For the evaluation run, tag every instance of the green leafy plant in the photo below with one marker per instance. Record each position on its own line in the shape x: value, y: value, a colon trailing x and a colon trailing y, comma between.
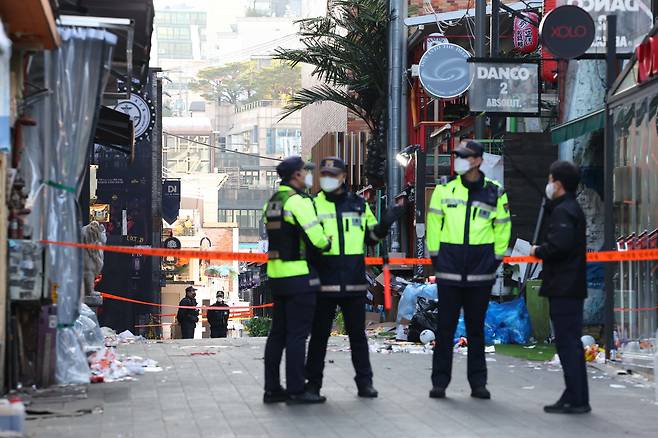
x: 340, y: 323
x: 348, y: 51
x: 258, y: 327
x: 243, y: 82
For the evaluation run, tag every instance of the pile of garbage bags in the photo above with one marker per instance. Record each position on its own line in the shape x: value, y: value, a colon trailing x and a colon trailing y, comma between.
x: 75, y: 345
x: 425, y: 318
x: 408, y: 301
x: 87, y: 353
x: 505, y: 323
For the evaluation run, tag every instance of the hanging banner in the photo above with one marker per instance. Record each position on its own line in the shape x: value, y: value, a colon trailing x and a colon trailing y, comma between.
x: 170, y: 200
x: 504, y: 86
x: 634, y: 21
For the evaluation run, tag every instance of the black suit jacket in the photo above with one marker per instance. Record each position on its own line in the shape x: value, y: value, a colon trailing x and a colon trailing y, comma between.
x: 563, y: 251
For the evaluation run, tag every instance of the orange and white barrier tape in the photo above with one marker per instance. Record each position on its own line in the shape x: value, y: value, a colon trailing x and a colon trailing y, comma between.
x: 175, y: 306
x: 602, y: 256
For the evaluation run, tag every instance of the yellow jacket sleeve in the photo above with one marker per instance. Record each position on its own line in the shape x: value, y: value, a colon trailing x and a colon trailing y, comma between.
x: 371, y: 223
x: 303, y: 210
x: 502, y: 226
x: 434, y: 221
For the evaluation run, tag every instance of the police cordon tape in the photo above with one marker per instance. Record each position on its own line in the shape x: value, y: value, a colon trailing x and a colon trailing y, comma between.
x: 236, y: 312
x: 175, y: 306
x: 602, y: 256
x: 591, y: 257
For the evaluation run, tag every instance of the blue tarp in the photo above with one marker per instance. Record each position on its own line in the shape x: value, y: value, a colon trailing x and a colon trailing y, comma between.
x: 505, y: 323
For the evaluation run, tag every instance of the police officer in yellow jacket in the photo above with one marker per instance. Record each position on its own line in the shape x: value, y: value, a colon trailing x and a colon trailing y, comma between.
x: 468, y: 233
x: 292, y: 229
x: 350, y: 223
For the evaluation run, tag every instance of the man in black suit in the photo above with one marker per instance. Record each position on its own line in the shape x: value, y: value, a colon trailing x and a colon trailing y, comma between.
x: 564, y: 283
x: 186, y: 316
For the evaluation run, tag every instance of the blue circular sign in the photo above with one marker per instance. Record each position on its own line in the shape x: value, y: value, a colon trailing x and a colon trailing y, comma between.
x: 444, y: 71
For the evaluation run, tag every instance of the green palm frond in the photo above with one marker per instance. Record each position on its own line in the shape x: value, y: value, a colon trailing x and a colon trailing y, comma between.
x: 348, y: 51
x: 324, y: 93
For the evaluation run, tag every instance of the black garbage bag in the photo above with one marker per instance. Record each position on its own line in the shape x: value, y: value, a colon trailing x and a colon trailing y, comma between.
x: 425, y: 318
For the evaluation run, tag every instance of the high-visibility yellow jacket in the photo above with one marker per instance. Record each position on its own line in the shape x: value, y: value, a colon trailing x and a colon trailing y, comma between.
x: 292, y: 226
x: 468, y: 231
x: 347, y: 218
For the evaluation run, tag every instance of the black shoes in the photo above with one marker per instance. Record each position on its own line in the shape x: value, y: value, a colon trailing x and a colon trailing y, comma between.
x: 275, y: 396
x: 481, y: 392
x: 313, y: 389
x: 567, y: 408
x: 368, y: 392
x: 438, y: 392
x: 305, y: 398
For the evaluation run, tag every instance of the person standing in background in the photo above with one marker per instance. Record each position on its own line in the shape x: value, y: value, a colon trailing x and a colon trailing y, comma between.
x: 218, y: 318
x: 187, y: 317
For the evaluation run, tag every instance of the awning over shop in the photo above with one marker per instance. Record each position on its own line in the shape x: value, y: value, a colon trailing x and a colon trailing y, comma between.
x: 578, y: 126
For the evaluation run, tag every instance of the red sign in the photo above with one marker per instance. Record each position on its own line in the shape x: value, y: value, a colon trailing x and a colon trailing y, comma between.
x: 526, y: 36
x: 647, y: 59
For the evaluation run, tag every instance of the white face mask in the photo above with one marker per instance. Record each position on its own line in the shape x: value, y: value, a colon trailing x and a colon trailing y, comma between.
x: 550, y: 190
x: 329, y: 183
x: 462, y: 165
x: 308, y: 180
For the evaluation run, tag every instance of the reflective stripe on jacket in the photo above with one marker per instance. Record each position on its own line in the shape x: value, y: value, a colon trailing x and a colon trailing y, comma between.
x: 468, y: 231
x: 297, y: 211
x: 350, y: 223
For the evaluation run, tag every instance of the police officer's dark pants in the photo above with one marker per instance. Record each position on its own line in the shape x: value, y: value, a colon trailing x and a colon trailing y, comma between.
x: 218, y: 332
x: 567, y: 317
x: 292, y: 318
x: 353, y: 309
x: 187, y: 331
x: 475, y: 301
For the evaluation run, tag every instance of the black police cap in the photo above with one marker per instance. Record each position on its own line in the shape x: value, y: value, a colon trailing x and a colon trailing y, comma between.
x: 469, y: 149
x: 289, y: 166
x: 333, y: 165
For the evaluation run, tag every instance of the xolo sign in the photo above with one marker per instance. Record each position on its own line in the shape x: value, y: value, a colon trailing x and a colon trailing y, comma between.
x: 634, y: 20
x: 567, y: 31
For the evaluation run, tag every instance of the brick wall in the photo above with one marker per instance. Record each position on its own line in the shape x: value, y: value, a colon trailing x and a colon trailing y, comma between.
x: 320, y: 118
x: 441, y: 5
x: 444, y: 5
x: 221, y: 238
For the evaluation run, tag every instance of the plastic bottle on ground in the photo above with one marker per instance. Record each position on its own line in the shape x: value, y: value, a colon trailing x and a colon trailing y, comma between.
x: 18, y: 415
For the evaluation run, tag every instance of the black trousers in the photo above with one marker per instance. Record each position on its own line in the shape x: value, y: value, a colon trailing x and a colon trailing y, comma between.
x: 567, y: 317
x: 218, y: 332
x: 475, y: 301
x: 187, y: 330
x: 354, y: 314
x: 292, y: 318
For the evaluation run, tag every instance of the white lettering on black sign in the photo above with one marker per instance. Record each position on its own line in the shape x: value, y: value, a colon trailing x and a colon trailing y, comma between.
x: 607, y: 5
x: 504, y: 87
x: 508, y: 73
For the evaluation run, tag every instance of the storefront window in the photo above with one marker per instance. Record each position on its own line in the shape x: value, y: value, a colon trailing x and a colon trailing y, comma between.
x: 636, y: 208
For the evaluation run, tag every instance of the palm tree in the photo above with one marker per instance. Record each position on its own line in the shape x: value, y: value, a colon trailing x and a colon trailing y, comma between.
x: 348, y: 49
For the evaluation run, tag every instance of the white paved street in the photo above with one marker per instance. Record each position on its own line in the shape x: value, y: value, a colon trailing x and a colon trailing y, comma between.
x: 218, y: 394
